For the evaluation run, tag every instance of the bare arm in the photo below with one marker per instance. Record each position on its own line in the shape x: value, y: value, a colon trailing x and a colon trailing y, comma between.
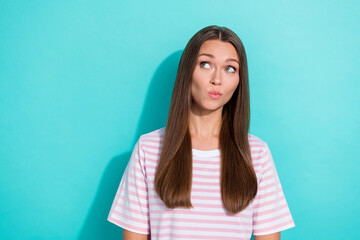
x: 273, y: 236
x: 128, y: 235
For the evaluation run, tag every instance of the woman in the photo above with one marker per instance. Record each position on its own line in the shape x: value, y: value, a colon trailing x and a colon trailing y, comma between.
x: 203, y: 176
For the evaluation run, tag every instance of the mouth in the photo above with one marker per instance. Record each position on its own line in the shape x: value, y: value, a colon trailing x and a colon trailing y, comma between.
x: 215, y: 94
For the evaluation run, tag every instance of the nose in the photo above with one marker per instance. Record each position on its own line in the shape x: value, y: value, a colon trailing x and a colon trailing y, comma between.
x: 216, y: 78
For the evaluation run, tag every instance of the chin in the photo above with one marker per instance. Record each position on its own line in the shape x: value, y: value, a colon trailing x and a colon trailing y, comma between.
x: 209, y: 106
x: 213, y: 108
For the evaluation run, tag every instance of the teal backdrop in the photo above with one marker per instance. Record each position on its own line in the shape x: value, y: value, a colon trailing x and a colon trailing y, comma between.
x: 80, y: 81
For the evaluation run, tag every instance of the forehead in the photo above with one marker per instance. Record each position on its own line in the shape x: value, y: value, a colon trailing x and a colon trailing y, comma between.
x: 219, y: 49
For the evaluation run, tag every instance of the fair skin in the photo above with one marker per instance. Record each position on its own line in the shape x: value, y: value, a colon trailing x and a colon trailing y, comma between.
x: 128, y: 235
x: 217, y: 69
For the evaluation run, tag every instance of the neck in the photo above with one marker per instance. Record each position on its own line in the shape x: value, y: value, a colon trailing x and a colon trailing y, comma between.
x: 205, y: 124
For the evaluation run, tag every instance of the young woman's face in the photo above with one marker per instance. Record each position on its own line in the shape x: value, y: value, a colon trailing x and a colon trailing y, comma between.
x: 215, y: 77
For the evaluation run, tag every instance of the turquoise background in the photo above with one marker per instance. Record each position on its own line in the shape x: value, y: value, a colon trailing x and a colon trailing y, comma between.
x: 80, y: 81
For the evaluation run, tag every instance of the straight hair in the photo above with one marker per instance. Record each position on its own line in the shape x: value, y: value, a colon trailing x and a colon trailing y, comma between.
x: 173, y: 176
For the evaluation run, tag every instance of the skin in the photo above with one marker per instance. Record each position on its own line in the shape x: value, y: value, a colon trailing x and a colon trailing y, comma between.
x: 273, y: 236
x: 128, y: 235
x: 217, y: 69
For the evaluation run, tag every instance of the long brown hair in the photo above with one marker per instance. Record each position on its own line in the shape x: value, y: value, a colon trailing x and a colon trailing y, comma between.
x: 173, y: 177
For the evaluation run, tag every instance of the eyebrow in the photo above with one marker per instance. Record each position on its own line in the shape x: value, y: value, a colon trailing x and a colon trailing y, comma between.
x: 212, y: 56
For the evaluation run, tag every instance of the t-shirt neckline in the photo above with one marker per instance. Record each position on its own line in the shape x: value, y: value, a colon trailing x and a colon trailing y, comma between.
x: 206, y: 153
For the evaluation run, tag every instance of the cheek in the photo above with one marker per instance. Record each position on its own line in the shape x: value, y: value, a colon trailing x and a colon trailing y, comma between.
x: 195, y: 90
x: 231, y: 89
x: 235, y: 86
x: 196, y: 84
x: 197, y: 76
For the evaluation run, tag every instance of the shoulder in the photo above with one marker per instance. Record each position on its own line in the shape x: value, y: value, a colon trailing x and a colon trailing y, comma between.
x: 153, y: 135
x: 259, y: 151
x: 256, y: 143
x: 152, y: 141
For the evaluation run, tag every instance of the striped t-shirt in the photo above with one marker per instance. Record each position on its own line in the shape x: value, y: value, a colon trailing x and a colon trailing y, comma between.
x: 138, y: 208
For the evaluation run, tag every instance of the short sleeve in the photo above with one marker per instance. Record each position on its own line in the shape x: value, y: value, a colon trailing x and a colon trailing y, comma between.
x: 130, y: 209
x: 270, y: 210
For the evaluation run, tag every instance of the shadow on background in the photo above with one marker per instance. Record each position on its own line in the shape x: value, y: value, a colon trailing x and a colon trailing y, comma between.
x: 153, y: 116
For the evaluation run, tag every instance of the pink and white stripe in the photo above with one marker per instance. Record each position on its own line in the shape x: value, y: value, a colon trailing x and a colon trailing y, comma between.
x: 137, y: 207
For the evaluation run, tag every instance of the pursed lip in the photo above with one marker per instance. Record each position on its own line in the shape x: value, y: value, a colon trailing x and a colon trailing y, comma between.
x: 215, y: 93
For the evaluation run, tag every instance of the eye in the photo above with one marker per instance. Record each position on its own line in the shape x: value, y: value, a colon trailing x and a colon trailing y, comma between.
x: 230, y: 69
x: 205, y: 65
